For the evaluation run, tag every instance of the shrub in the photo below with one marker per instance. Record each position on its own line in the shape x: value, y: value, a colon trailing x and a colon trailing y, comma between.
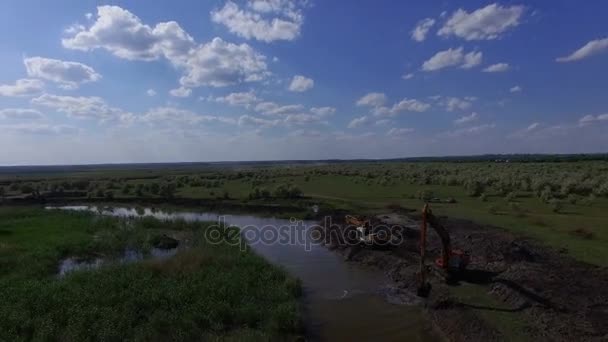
x: 556, y: 205
x: 483, y: 198
x: 425, y: 195
x: 511, y: 196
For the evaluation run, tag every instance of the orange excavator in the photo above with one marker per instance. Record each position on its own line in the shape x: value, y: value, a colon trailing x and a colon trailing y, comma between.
x: 366, y: 233
x: 452, y: 261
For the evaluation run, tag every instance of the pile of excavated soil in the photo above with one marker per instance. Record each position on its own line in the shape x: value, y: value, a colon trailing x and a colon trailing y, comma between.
x: 559, y: 298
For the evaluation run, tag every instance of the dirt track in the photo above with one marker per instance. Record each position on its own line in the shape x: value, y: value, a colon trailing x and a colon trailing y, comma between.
x: 558, y: 298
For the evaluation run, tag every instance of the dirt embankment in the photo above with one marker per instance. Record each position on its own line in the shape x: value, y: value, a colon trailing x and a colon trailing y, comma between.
x: 558, y: 298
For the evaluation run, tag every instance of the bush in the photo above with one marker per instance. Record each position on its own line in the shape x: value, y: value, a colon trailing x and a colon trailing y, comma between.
x: 493, y: 209
x: 425, y: 195
x: 483, y: 198
x: 556, y: 205
x: 511, y: 196
x: 287, y: 191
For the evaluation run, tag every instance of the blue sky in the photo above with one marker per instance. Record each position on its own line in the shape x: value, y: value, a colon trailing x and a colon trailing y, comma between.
x: 133, y: 81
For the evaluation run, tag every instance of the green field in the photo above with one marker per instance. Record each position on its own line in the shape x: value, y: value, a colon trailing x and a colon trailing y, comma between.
x: 563, y: 204
x: 208, y: 291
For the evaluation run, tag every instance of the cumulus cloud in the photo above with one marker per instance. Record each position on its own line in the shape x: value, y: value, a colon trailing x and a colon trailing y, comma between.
x: 39, y: 129
x: 408, y: 76
x: 451, y: 58
x: 68, y: 74
x: 516, y: 89
x: 486, y: 23
x: 498, y: 67
x: 265, y: 21
x: 271, y: 108
x: 248, y: 120
x: 124, y: 35
x: 82, y: 107
x: 422, y: 29
x: 587, y: 119
x: 323, y: 111
x: 151, y: 92
x: 593, y: 47
x: 216, y: 63
x: 22, y: 87
x: 358, y: 122
x: 470, y: 130
x: 454, y: 103
x: 467, y: 119
x: 399, y: 132
x: 180, y: 92
x: 301, y: 83
x: 410, y: 105
x: 172, y: 115
x: 372, y: 100
x: 20, y: 114
x: 219, y: 64
x: 243, y: 99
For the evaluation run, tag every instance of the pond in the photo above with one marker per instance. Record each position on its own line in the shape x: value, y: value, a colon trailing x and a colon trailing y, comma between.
x: 343, y: 301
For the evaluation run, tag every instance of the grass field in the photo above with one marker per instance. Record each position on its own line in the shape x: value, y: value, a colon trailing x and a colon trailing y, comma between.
x: 562, y: 204
x: 209, y: 291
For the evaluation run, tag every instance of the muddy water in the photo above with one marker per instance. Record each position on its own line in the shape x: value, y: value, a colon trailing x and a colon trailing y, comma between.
x: 343, y: 302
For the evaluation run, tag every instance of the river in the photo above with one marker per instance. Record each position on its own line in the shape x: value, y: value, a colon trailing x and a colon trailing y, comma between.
x: 342, y: 301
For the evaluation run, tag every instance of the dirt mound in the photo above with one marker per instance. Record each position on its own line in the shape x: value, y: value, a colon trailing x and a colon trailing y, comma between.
x: 559, y: 298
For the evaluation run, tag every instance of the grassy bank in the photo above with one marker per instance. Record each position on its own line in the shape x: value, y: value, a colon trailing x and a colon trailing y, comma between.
x: 207, y: 291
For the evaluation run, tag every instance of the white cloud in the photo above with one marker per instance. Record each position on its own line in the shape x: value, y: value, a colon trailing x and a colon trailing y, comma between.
x: 399, y: 132
x: 180, y: 92
x: 358, y: 122
x: 82, y: 107
x: 22, y: 87
x: 533, y: 126
x: 216, y: 63
x: 383, y: 122
x: 40, y: 128
x: 271, y: 108
x: 20, y: 114
x: 124, y: 35
x: 408, y: 76
x: 593, y: 118
x: 300, y: 83
x: 68, y: 74
x: 482, y: 24
x: 422, y: 28
x: 323, y: 111
x: 304, y: 119
x: 248, y: 120
x: 467, y: 119
x: 498, y: 67
x: 243, y: 99
x: 372, y: 100
x: 151, y: 92
x: 171, y: 115
x: 451, y: 58
x: 255, y: 23
x: 470, y: 130
x: 593, y: 47
x: 516, y: 89
x: 219, y: 63
x: 410, y: 105
x: 454, y: 103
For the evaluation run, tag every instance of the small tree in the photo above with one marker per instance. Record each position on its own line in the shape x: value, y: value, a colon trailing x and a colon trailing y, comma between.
x: 167, y: 190
x: 511, y: 196
x: 109, y: 195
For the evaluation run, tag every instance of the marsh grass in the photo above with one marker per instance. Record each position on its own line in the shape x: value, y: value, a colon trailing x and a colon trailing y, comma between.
x: 209, y: 291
